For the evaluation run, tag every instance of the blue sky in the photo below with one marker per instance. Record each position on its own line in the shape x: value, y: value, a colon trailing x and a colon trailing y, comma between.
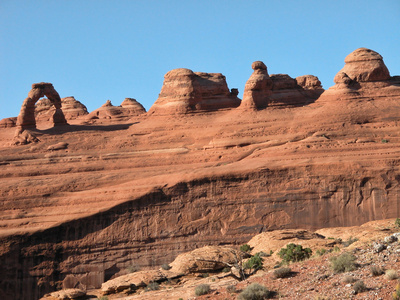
x: 97, y: 50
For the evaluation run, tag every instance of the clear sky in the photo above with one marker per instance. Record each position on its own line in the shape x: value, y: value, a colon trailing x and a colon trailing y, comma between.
x: 97, y: 50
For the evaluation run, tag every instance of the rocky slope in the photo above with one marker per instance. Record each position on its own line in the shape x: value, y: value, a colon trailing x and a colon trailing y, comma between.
x: 93, y: 197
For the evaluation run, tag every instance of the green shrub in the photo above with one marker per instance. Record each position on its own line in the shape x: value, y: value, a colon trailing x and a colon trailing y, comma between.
x: 226, y: 270
x: 321, y: 252
x: 202, y: 289
x: 359, y: 287
x: 377, y: 271
x: 205, y: 275
x: 343, y: 263
x: 253, y: 263
x: 391, y: 275
x: 166, y: 267
x: 397, y: 223
x: 349, y: 241
x: 282, y: 272
x: 254, y: 291
x: 336, y: 249
x: 245, y: 248
x: 294, y: 253
x: 152, y: 286
x: 103, y: 298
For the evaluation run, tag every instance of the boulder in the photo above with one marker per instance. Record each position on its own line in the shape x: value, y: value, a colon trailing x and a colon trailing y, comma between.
x: 205, y: 259
x: 132, y: 281
x: 186, y: 91
x: 129, y: 108
x: 68, y: 294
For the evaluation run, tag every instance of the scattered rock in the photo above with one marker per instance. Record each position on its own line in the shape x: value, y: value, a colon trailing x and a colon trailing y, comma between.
x: 390, y: 239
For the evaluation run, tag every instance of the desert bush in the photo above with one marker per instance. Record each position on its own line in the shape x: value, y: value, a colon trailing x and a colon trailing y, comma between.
x: 349, y: 241
x: 336, y: 249
x: 396, y: 293
x: 343, y: 263
x: 359, y: 287
x: 377, y: 271
x: 205, y: 275
x: 226, y: 270
x: 132, y: 269
x: 166, y: 267
x: 254, y: 291
x: 245, y: 248
x: 103, y: 298
x: 397, y: 223
x: 202, y: 289
x: 294, y: 253
x: 282, y: 272
x: 152, y: 286
x: 253, y: 263
x: 320, y: 252
x: 231, y: 289
x: 391, y: 275
x: 348, y: 279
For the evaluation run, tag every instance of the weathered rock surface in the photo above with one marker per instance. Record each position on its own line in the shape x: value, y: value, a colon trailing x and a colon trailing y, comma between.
x: 262, y: 90
x: 186, y: 91
x: 26, y: 118
x: 8, y: 122
x: 258, y: 88
x: 129, y: 108
x: 71, y: 108
x: 205, y: 259
x: 68, y: 294
x: 133, y: 107
x: 143, y: 193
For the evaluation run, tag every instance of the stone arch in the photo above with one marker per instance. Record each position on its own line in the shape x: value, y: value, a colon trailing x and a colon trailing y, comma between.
x: 26, y: 117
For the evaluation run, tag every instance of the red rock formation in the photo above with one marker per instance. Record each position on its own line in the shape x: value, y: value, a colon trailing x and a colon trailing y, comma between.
x: 185, y: 91
x: 133, y: 107
x: 129, y: 108
x: 262, y: 90
x: 258, y: 88
x: 143, y: 193
x: 26, y: 118
x: 8, y: 122
x: 71, y: 108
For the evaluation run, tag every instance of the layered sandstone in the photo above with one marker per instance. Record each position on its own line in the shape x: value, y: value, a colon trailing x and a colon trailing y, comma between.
x: 186, y: 91
x: 140, y: 194
x: 71, y: 108
x: 26, y: 117
x: 128, y: 108
x: 262, y: 90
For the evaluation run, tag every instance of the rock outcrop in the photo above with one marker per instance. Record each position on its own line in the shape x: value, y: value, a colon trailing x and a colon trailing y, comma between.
x: 133, y: 107
x: 26, y: 117
x: 8, y: 122
x: 262, y: 90
x: 258, y: 88
x: 71, y: 108
x: 129, y: 108
x: 364, y: 65
x: 186, y: 91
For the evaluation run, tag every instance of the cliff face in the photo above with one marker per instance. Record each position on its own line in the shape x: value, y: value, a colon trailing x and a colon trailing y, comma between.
x: 119, y: 194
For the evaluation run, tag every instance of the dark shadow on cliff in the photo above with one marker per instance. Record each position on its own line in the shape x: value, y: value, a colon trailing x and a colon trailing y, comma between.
x: 76, y: 128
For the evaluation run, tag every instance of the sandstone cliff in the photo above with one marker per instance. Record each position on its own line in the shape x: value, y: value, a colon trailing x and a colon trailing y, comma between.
x: 121, y: 194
